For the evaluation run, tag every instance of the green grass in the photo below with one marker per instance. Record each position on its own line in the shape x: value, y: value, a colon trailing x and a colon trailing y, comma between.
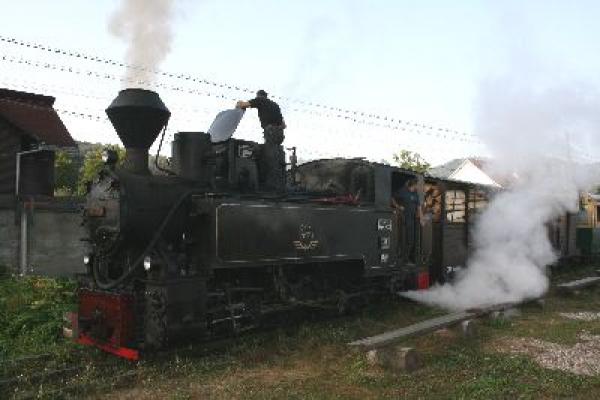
x: 31, y: 314
x: 309, y: 360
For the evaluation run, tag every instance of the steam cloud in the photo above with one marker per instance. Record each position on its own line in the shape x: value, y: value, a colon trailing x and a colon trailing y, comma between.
x: 146, y: 27
x: 530, y: 131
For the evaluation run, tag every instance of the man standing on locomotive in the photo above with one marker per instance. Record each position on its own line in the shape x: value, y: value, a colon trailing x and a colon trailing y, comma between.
x: 271, y: 156
x: 406, y: 200
x: 269, y: 115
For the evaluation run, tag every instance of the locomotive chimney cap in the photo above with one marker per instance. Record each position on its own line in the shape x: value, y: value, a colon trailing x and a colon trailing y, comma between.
x: 138, y: 116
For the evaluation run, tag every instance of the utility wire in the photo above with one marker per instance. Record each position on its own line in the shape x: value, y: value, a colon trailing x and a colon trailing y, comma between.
x: 354, y: 114
x: 103, y: 119
x: 311, y: 153
x: 420, y: 128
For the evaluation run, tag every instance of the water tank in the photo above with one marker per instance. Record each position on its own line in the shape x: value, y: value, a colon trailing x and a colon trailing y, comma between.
x: 36, y: 176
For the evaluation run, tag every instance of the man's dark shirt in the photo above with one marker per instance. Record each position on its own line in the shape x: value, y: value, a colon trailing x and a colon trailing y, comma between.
x: 268, y: 111
x: 409, y: 200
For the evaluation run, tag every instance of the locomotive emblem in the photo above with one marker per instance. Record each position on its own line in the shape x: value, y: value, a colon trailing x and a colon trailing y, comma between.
x: 307, y: 239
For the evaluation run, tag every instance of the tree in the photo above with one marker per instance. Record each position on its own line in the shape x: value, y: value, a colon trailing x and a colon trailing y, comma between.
x: 66, y: 174
x: 411, y: 160
x: 163, y: 164
x: 92, y: 164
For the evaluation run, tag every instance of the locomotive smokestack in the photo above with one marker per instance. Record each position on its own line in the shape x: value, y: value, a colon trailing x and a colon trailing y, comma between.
x: 138, y: 116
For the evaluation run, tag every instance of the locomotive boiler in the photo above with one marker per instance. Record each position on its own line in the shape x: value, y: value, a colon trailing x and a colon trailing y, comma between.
x: 207, y: 249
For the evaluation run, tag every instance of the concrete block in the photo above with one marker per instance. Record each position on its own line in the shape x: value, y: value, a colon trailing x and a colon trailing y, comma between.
x: 535, y: 303
x: 68, y: 333
x: 395, y: 358
x: 505, y: 315
x: 539, y: 303
x: 511, y: 313
x: 444, y: 333
x: 468, y: 328
x: 71, y: 325
x: 495, y: 315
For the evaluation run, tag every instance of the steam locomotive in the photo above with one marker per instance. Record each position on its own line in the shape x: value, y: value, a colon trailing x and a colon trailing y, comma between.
x: 212, y: 247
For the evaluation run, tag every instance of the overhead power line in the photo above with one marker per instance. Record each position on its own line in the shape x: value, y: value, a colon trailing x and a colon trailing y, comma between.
x: 414, y: 128
x: 355, y: 114
x: 307, y: 151
x: 94, y: 117
x: 408, y: 128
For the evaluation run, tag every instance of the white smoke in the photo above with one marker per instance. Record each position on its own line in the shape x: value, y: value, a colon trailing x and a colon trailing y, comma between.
x: 146, y: 27
x: 531, y: 131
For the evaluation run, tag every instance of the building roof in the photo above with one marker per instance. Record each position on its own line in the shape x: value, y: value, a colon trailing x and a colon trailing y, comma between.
x: 465, y: 169
x: 34, y: 115
x: 446, y: 170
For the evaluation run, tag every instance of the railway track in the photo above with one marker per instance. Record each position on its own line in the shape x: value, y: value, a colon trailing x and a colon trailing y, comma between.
x: 78, y: 389
x: 49, y: 375
x: 80, y: 372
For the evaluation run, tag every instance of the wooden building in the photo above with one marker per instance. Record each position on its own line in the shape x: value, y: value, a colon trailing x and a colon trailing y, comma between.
x: 30, y: 129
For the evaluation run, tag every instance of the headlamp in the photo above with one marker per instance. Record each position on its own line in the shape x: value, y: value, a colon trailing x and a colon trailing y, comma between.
x: 147, y: 263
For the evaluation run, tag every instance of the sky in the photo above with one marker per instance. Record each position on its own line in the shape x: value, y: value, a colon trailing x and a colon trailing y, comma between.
x: 414, y: 61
